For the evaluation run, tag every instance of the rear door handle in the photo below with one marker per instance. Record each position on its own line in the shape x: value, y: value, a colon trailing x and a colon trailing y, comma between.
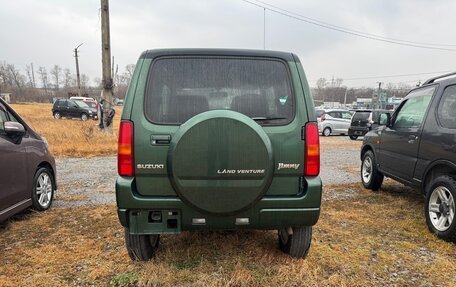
x: 412, y: 139
x: 160, y: 139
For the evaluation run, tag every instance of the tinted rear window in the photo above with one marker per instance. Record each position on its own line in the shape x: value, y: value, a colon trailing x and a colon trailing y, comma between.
x: 361, y: 116
x: 180, y: 88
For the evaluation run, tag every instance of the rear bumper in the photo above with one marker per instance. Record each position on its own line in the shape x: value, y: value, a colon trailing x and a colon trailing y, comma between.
x: 135, y: 211
x: 357, y: 131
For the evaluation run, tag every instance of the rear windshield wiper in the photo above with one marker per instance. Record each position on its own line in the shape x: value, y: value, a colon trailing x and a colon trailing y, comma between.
x: 267, y: 118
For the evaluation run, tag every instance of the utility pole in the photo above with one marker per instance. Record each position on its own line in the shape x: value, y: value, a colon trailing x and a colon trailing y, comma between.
x: 376, y: 106
x: 33, y: 76
x: 77, y: 69
x: 106, y: 61
x: 345, y: 97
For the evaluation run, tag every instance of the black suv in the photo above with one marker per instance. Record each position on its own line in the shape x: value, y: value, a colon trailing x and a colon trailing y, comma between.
x: 73, y: 109
x: 417, y: 147
x: 363, y: 121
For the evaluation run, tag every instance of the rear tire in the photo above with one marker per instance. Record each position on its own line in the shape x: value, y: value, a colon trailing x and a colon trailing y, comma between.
x: 327, y: 132
x: 57, y: 116
x: 141, y: 247
x: 352, y: 137
x: 371, y: 177
x: 296, y: 245
x: 439, y: 208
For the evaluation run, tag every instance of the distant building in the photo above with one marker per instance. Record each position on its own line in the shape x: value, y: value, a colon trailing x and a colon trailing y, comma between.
x: 363, y: 103
x: 6, y: 97
x: 393, y: 102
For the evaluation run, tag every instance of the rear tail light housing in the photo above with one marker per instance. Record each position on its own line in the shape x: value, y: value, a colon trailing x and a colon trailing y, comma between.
x: 125, y: 155
x: 323, y: 117
x: 311, y: 150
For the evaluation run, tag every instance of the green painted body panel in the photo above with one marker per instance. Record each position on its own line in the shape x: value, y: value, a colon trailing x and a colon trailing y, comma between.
x: 185, y: 177
x: 128, y: 103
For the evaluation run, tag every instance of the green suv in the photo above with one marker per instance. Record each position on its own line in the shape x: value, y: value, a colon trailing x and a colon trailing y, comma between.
x: 218, y: 140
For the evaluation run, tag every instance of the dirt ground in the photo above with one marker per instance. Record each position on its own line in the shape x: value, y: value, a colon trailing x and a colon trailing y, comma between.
x: 362, y: 239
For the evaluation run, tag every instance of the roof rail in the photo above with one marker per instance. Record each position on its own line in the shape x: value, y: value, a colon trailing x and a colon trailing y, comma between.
x: 431, y: 80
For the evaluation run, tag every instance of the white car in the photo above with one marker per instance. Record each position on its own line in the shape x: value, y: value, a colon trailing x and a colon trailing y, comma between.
x: 334, y: 122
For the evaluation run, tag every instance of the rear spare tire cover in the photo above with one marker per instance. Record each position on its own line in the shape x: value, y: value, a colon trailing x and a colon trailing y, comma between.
x: 220, y: 162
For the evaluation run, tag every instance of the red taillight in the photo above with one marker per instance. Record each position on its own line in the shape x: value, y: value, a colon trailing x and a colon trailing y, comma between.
x: 125, y: 156
x: 323, y: 117
x: 312, y: 150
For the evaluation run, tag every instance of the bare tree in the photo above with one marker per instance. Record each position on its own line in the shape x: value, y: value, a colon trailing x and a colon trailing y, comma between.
x: 31, y: 80
x: 42, y: 72
x: 67, y: 79
x: 16, y: 76
x: 129, y: 69
x: 84, y: 81
x: 56, y: 73
x: 98, y: 82
x: 321, y: 85
x: 5, y: 77
x: 339, y: 82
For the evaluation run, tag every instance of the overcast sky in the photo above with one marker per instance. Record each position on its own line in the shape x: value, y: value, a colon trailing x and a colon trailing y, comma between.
x: 45, y: 32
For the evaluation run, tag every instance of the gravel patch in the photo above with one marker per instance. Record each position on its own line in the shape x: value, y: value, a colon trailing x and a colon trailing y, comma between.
x: 340, y: 163
x: 91, y: 181
x: 86, y: 181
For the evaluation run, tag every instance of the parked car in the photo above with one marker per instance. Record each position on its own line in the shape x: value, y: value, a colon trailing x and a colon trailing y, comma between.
x: 364, y: 121
x: 91, y: 102
x: 73, y: 109
x: 334, y: 122
x: 201, y: 146
x: 118, y: 102
x: 27, y: 169
x: 417, y: 147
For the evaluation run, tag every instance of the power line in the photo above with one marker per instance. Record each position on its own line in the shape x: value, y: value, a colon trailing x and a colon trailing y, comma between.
x: 340, y: 29
x: 356, y: 31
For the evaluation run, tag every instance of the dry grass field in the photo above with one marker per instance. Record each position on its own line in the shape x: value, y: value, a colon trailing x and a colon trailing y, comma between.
x: 70, y: 137
x: 75, y: 138
x: 372, y: 240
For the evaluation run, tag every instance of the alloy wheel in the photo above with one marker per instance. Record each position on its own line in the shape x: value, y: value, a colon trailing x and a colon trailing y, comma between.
x: 326, y: 132
x: 367, y: 169
x: 441, y: 208
x: 43, y: 190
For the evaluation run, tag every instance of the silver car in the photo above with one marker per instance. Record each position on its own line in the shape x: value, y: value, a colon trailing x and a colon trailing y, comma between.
x: 334, y: 122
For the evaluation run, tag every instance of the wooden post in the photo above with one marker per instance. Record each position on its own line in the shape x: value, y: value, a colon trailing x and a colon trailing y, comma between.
x: 77, y: 69
x: 106, y: 61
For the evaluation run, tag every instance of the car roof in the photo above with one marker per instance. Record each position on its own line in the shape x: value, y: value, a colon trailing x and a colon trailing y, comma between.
x: 445, y: 80
x: 150, y: 54
x: 336, y: 110
x: 82, y: 98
